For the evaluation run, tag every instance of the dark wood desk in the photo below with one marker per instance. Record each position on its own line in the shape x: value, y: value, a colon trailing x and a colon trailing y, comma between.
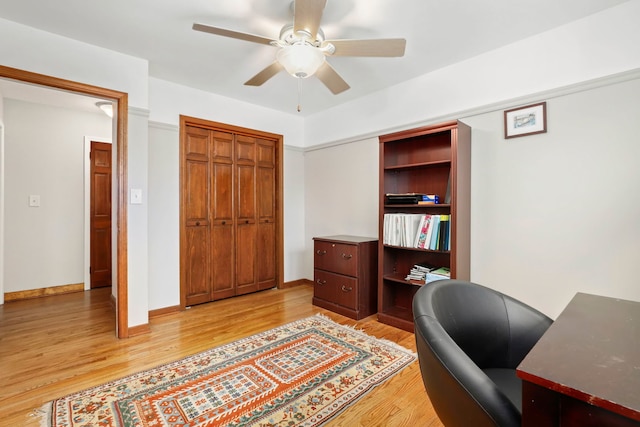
x: 585, y: 370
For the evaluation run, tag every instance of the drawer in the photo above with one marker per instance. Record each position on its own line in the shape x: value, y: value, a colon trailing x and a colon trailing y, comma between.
x: 336, y: 257
x: 335, y: 288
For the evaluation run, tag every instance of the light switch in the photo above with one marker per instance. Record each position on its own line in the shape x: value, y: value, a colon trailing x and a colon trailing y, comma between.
x: 34, y: 200
x: 136, y: 196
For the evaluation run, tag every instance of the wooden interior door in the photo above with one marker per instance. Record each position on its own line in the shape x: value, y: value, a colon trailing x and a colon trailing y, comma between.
x: 100, y: 215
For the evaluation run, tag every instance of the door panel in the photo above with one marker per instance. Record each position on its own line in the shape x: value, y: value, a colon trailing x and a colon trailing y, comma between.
x: 222, y: 260
x: 246, y: 258
x: 246, y: 178
x: 196, y: 204
x: 222, y: 195
x: 197, y: 268
x: 266, y: 254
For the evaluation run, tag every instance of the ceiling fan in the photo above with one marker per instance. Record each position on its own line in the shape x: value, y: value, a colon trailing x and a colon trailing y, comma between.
x: 302, y: 47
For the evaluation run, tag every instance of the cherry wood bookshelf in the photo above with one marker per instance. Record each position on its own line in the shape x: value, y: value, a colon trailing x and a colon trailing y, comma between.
x: 425, y: 160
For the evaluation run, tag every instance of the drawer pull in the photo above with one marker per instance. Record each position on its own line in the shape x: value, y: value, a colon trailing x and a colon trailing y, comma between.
x: 321, y: 282
x: 347, y: 256
x: 319, y: 252
x: 197, y: 223
x: 345, y: 289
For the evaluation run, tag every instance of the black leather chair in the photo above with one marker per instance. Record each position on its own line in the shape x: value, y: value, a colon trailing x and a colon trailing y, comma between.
x: 470, y: 339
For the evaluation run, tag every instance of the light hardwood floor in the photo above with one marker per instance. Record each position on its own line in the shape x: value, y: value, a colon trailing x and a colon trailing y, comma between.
x: 57, y: 345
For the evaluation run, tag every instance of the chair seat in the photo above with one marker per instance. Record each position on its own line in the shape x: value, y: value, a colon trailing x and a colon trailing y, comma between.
x: 509, y: 383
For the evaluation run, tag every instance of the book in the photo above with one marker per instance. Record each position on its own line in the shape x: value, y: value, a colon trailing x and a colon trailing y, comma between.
x: 441, y: 273
x: 424, y: 231
x: 434, y: 233
x: 443, y: 226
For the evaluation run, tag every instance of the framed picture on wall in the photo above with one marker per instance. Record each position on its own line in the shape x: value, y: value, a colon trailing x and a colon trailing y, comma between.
x: 527, y: 120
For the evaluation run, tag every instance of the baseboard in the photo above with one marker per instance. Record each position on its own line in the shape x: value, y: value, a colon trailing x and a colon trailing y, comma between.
x: 164, y: 311
x: 43, y: 292
x: 139, y: 330
x: 295, y: 283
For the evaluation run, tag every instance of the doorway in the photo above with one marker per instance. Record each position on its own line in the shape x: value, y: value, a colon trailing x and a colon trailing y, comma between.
x: 120, y: 100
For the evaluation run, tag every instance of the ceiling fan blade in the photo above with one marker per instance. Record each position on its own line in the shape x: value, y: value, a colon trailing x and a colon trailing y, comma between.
x: 232, y: 34
x: 307, y: 15
x: 331, y: 78
x: 373, y: 47
x: 265, y: 74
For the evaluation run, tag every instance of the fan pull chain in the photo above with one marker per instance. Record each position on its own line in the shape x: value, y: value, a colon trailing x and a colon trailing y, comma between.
x: 299, y: 94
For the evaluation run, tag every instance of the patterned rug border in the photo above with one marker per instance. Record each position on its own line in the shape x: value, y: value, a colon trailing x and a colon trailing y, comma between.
x: 44, y: 413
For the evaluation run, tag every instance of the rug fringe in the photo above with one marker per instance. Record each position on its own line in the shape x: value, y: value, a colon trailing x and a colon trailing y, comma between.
x: 43, y: 414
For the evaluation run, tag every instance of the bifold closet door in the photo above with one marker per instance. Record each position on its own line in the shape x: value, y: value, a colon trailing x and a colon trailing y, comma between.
x: 223, y: 240
x: 230, y: 220
x: 246, y: 229
x: 196, y: 188
x: 265, y: 196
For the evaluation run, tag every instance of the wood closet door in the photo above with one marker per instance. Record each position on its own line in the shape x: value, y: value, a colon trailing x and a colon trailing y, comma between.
x: 222, y: 216
x: 230, y: 242
x: 265, y: 195
x: 246, y: 231
x: 195, y: 199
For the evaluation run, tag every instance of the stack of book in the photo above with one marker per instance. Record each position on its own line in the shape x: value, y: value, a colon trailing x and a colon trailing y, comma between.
x: 419, y: 272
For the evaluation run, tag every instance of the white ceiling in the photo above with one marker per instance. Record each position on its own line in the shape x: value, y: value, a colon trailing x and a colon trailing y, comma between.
x: 438, y: 33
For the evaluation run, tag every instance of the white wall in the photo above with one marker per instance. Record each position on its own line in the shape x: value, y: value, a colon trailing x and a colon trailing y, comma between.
x: 295, y: 253
x: 44, y: 148
x: 164, y: 216
x: 597, y: 46
x: 2, y: 180
x: 341, y: 187
x: 557, y: 213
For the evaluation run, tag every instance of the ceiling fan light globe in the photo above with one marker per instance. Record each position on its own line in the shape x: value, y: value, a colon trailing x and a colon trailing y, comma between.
x: 300, y: 60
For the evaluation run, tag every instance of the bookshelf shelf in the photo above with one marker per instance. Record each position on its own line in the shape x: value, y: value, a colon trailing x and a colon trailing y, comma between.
x: 439, y: 163
x: 422, y: 207
x: 405, y: 248
x: 427, y: 160
x: 398, y: 278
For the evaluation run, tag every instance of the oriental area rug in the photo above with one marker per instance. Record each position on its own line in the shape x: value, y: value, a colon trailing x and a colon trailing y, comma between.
x: 299, y: 374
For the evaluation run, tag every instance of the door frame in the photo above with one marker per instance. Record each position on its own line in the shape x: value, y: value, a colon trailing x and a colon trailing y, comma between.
x: 120, y: 174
